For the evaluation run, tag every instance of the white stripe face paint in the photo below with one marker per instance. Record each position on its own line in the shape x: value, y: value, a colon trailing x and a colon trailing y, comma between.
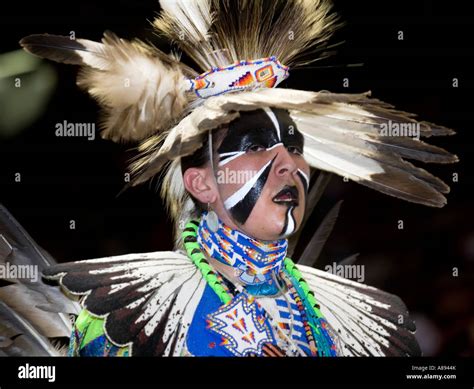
x: 274, y: 120
x: 244, y: 190
x: 290, y: 223
x: 230, y: 157
x: 305, y: 176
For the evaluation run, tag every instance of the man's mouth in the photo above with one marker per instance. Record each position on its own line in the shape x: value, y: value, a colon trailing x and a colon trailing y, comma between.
x: 287, y: 196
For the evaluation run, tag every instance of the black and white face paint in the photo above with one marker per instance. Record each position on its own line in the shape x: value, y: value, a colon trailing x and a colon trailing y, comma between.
x: 262, y: 131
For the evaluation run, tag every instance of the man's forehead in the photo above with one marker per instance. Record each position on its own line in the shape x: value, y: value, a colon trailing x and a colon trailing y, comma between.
x: 266, y: 119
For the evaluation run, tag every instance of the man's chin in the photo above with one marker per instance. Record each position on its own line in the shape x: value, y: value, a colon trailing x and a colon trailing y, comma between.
x: 288, y: 235
x: 271, y: 228
x: 262, y: 234
x: 277, y: 233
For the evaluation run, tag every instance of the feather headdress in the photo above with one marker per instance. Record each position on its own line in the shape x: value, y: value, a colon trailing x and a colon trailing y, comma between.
x: 241, y: 51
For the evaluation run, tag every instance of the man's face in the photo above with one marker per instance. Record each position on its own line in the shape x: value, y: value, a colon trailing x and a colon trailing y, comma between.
x: 262, y: 176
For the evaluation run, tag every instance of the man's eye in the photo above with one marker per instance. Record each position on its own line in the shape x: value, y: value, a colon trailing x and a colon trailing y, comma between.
x: 255, y: 147
x: 295, y: 150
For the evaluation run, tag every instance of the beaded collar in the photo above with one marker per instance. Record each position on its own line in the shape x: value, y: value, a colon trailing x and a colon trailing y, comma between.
x: 316, y: 327
x: 257, y: 263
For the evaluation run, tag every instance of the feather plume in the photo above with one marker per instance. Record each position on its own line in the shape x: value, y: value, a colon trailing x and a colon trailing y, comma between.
x: 66, y: 50
x: 221, y: 32
x: 141, y: 89
x: 34, y: 314
x: 193, y: 18
x: 31, y: 305
x: 24, y: 339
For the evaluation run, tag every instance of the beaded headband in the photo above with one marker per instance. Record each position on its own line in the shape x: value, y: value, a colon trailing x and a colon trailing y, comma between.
x: 241, y: 76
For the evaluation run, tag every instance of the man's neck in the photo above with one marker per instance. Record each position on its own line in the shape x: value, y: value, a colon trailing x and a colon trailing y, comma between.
x: 238, y: 256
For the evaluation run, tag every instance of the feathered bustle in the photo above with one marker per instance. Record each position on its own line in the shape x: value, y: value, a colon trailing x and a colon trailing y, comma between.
x: 34, y: 317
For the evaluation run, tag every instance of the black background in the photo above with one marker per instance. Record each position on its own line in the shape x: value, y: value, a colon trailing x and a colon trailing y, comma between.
x: 72, y: 178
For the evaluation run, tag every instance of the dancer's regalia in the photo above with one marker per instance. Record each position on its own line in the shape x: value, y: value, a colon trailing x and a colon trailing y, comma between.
x: 177, y: 302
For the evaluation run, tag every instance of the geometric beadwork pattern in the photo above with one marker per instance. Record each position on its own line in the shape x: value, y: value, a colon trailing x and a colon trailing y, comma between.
x: 242, y: 326
x: 243, y: 75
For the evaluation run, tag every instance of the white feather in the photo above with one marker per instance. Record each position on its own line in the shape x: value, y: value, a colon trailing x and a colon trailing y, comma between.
x: 219, y: 33
x: 348, y: 307
x: 193, y: 16
x: 167, y: 277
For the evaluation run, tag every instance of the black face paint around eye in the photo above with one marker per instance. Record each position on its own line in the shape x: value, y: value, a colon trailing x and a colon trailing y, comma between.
x: 289, y: 134
x: 265, y: 127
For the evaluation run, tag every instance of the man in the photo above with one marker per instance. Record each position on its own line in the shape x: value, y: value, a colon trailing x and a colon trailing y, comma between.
x: 243, y: 296
x: 237, y: 154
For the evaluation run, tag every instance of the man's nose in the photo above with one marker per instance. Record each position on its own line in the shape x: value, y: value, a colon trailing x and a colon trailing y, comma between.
x: 284, y: 163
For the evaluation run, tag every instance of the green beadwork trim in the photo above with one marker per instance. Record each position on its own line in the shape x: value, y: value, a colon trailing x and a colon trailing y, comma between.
x: 293, y: 271
x: 199, y: 259
x: 90, y: 326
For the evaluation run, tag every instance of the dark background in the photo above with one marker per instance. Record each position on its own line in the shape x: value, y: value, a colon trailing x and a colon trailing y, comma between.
x: 73, y: 178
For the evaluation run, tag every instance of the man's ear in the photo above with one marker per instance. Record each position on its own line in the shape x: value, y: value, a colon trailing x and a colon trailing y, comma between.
x: 198, y: 183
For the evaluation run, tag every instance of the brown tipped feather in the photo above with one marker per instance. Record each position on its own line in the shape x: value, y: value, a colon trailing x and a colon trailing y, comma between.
x: 66, y: 50
x: 142, y: 90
